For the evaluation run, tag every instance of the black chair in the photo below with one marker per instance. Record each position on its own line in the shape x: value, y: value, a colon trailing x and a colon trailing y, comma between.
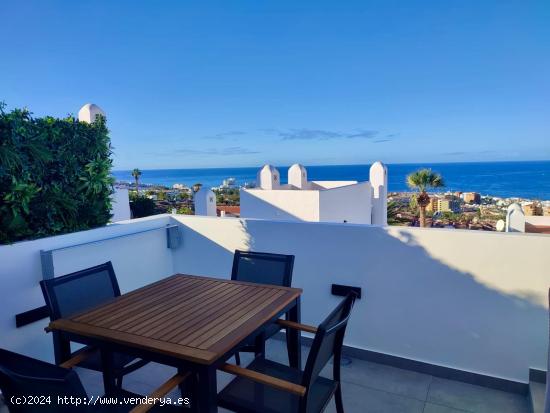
x: 269, y: 387
x: 77, y: 292
x: 26, y: 379
x: 262, y: 268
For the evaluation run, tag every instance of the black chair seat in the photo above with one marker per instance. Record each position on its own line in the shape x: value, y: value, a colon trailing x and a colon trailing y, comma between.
x: 121, y: 362
x: 246, y: 396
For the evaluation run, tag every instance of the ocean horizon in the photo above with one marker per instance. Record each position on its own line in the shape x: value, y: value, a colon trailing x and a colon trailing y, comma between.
x: 523, y: 179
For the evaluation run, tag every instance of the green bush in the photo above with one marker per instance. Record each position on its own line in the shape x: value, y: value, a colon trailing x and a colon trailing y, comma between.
x: 185, y: 210
x: 55, y: 175
x: 141, y: 206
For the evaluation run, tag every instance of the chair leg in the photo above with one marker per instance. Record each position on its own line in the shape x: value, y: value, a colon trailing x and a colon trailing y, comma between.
x: 237, y: 358
x: 338, y: 399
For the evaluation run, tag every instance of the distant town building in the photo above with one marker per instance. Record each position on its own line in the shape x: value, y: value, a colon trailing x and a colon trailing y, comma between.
x: 228, y: 183
x: 443, y: 204
x: 432, y: 206
x: 471, y: 197
x: 319, y: 201
x: 448, y: 205
x: 179, y: 186
x: 532, y: 209
x: 228, y: 211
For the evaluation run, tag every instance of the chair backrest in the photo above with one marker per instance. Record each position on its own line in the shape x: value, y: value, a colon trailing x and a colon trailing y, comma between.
x: 263, y: 268
x: 78, y: 291
x: 327, y: 344
x: 35, y: 381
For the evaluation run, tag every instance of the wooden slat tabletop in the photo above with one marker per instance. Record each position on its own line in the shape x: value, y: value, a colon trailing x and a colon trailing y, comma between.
x: 194, y: 318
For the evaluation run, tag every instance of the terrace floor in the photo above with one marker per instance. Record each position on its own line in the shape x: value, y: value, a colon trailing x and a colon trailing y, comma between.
x: 367, y: 388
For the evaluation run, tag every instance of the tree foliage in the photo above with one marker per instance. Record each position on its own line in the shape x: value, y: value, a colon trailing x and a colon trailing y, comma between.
x: 55, y: 175
x: 423, y: 179
x: 142, y: 206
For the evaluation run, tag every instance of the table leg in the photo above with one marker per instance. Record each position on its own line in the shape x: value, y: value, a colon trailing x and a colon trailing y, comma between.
x: 109, y: 382
x: 205, y: 397
x: 293, y: 337
x: 259, y: 345
x: 187, y: 388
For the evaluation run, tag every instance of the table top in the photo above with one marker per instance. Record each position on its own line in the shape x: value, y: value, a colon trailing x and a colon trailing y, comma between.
x: 198, y: 319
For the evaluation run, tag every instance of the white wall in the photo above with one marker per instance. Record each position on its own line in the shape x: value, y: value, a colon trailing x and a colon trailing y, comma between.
x: 332, y: 184
x: 543, y: 221
x: 470, y: 300
x: 120, y: 205
x: 138, y: 260
x: 351, y: 203
x: 280, y: 204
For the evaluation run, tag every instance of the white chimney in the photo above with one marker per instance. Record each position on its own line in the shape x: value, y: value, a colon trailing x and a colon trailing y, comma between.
x: 297, y: 176
x: 379, y: 182
x: 89, y: 112
x: 268, y: 178
x: 205, y: 202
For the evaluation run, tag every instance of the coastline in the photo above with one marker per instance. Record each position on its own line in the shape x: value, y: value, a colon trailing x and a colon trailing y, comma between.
x: 525, y: 180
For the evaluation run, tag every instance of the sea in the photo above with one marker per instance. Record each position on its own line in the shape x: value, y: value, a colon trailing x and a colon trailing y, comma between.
x: 527, y: 180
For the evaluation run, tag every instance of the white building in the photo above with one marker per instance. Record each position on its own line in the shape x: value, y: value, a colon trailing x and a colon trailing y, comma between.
x: 317, y: 201
x: 517, y: 221
x: 120, y: 205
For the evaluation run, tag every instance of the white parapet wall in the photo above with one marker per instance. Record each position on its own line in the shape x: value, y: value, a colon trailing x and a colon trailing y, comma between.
x: 469, y: 300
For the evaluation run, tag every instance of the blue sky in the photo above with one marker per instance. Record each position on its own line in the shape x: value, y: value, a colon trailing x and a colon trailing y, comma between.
x: 239, y: 83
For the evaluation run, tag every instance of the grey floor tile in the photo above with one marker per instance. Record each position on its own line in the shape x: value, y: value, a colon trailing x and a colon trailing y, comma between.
x: 358, y: 399
x: 436, y: 408
x: 390, y: 379
x: 475, y: 399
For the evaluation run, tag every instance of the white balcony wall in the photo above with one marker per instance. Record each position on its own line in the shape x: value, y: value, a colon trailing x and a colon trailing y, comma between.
x: 351, y: 203
x: 469, y: 300
x: 138, y: 259
x: 281, y: 204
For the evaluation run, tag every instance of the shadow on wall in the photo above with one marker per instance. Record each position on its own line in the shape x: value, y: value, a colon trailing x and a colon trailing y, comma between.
x: 413, y: 305
x: 266, y: 210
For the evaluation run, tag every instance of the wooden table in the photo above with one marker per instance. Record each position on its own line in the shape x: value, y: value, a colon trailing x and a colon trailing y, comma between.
x: 186, y: 321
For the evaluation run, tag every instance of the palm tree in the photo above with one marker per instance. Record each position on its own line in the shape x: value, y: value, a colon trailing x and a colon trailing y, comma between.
x: 136, y: 173
x: 421, y: 180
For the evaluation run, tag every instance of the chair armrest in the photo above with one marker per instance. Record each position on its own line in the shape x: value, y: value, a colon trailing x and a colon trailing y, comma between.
x: 271, y: 381
x: 160, y: 392
x: 297, y: 326
x: 79, y: 358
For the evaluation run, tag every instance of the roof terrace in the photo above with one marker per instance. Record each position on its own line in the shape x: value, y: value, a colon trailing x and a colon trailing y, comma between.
x: 448, y: 320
